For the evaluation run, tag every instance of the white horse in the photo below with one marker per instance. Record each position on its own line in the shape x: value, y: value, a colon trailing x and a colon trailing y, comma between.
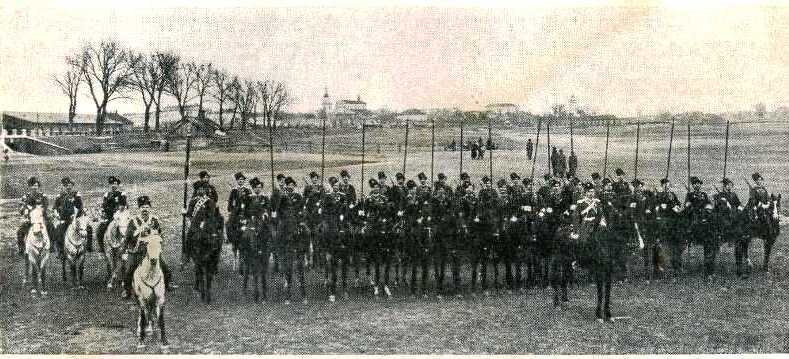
x: 148, y: 284
x: 114, y: 246
x: 74, y: 241
x: 37, y: 245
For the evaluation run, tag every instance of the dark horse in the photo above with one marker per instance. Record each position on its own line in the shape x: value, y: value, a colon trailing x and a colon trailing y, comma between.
x: 205, y: 245
x: 765, y: 224
x: 253, y: 248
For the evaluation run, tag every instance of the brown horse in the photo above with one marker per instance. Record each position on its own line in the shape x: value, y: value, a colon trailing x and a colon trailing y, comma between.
x: 148, y: 284
x: 766, y: 225
x: 114, y: 246
x: 37, y: 245
x: 75, y: 239
x: 253, y: 248
x: 205, y: 248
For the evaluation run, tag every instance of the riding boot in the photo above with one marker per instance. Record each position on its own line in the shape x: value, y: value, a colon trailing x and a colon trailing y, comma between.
x: 168, y: 278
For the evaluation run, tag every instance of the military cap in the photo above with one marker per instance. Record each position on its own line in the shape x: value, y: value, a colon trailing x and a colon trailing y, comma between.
x: 664, y: 180
x: 203, y: 174
x: 66, y: 181
x: 595, y: 176
x: 344, y: 173
x: 619, y: 172
x: 399, y: 176
x: 313, y: 174
x: 421, y: 176
x: 726, y: 181
x: 372, y: 182
x: 464, y: 176
x: 255, y: 182
x: 588, y: 186
x: 289, y: 180
x: 637, y: 182
x: 606, y: 181
x: 32, y: 181
x: 514, y: 176
x: 381, y: 174
x: 756, y: 176
x: 485, y: 179
x: 113, y: 180
x: 143, y: 201
x: 527, y: 181
x: 239, y: 176
x: 501, y: 182
x: 442, y: 176
x: 280, y: 177
x: 410, y: 184
x: 695, y: 180
x: 333, y: 180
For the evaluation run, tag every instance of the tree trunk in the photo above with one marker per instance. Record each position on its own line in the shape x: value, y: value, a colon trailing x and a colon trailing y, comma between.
x: 221, y: 123
x: 157, y: 111
x: 233, y: 118
x: 146, y: 126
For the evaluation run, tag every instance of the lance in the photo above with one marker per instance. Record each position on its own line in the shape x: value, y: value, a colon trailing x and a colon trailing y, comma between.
x: 323, y: 151
x: 405, y: 148
x: 605, y: 156
x: 548, y: 132
x: 688, y: 151
x: 490, y: 141
x: 572, y: 143
x: 638, y: 137
x: 271, y: 153
x: 670, y: 145
x: 536, y: 148
x: 726, y: 150
x: 462, y: 120
x: 186, y: 190
x: 432, y: 147
x: 364, y: 126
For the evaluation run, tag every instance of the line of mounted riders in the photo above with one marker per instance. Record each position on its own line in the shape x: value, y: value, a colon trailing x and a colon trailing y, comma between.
x: 538, y: 234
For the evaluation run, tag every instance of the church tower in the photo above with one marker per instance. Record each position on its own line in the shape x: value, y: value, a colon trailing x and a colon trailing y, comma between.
x: 326, y: 102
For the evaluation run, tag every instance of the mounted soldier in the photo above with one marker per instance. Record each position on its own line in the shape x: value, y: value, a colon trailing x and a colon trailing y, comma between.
x: 236, y: 205
x: 458, y: 247
x: 68, y: 205
x: 669, y: 224
x: 255, y: 236
x: 484, y: 228
x: 332, y: 217
x: 644, y: 216
x: 295, y: 234
x: 398, y: 198
x: 111, y: 201
x: 733, y: 224
x: 763, y: 209
x: 142, y: 225
x: 376, y: 231
x: 313, y: 193
x: 527, y: 236
x: 444, y: 218
x: 30, y: 200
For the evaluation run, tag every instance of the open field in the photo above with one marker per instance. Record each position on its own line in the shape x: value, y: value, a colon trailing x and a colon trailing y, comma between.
x: 686, y: 316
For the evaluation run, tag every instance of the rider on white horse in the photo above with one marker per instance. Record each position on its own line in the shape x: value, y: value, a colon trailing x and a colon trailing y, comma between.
x: 29, y: 201
x: 143, y: 224
x: 112, y: 200
x: 67, y: 206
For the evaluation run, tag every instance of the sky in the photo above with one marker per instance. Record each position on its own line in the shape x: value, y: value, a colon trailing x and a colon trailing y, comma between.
x: 618, y: 57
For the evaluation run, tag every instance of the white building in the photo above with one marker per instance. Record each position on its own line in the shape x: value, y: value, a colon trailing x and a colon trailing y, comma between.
x: 501, y: 108
x: 416, y: 117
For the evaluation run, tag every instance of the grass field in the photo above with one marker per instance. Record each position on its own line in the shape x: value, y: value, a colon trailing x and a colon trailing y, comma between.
x: 683, y: 316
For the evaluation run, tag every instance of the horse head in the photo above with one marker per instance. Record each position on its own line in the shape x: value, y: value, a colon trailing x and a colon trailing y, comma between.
x: 117, y: 228
x: 37, y: 217
x: 153, y: 248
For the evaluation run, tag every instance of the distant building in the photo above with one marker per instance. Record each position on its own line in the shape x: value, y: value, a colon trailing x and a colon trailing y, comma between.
x: 349, y: 113
x: 415, y: 117
x: 58, y: 123
x: 501, y: 108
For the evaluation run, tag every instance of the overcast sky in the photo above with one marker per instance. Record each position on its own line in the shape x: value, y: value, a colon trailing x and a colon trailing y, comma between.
x: 614, y: 59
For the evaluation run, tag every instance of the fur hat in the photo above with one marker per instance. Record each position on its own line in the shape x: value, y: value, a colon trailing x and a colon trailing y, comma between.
x: 113, y: 180
x: 464, y: 176
x: 485, y: 179
x: 381, y: 174
x: 442, y: 176
x: 344, y: 173
x: 421, y: 176
x: 255, y: 182
x: 595, y: 176
x: 333, y: 180
x: 756, y: 176
x: 289, y: 180
x: 514, y: 176
x: 314, y: 174
x: 726, y: 181
x: 372, y: 182
x: 280, y: 177
x: 619, y: 172
x: 239, y: 176
x: 695, y: 180
x: 399, y: 176
x: 410, y: 184
x: 66, y: 181
x: 33, y: 181
x: 143, y: 201
x: 664, y: 180
x: 204, y: 174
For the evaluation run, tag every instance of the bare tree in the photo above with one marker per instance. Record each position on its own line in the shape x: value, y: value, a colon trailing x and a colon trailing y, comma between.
x: 203, y: 82
x: 180, y: 84
x: 147, y: 79
x: 234, y: 95
x: 222, y: 92
x: 166, y: 63
x: 107, y: 70
x: 246, y: 100
x: 69, y: 85
x: 274, y: 98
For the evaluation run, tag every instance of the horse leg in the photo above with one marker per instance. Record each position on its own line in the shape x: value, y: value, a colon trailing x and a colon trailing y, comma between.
x: 81, y: 271
x: 63, y: 266
x: 768, y: 248
x: 141, y: 327
x: 600, y: 287
x: 208, y: 277
x: 162, y: 333
x: 607, y: 299
x: 42, y: 273
x: 73, y: 267
x: 27, y: 270
x: 244, y: 274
